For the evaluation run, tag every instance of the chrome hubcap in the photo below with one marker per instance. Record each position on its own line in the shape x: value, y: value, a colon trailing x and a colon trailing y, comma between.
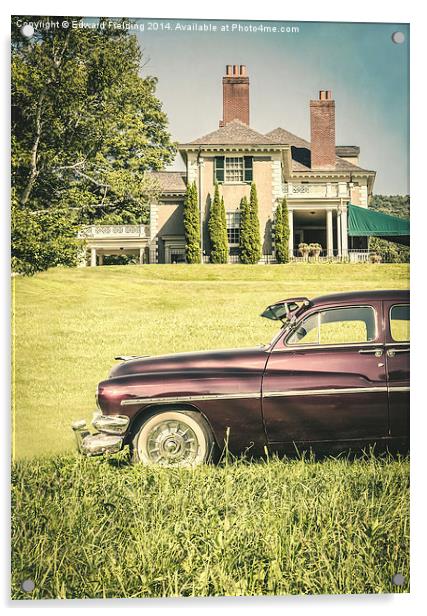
x: 172, y: 443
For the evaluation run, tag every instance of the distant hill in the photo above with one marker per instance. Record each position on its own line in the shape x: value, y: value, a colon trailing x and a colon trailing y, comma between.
x: 395, y: 205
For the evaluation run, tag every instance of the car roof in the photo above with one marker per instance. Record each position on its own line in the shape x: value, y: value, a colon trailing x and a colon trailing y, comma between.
x: 360, y: 297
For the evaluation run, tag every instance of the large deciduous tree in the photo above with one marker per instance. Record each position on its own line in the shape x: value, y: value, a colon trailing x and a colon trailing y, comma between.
x: 86, y: 126
x: 44, y: 239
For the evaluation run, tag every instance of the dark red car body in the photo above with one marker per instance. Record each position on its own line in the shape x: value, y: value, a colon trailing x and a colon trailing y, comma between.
x: 286, y: 398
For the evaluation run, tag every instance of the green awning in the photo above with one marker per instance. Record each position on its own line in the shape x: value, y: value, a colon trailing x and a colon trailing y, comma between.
x: 365, y: 222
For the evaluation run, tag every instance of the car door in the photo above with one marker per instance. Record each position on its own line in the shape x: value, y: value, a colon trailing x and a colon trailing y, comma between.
x: 325, y: 382
x: 397, y: 363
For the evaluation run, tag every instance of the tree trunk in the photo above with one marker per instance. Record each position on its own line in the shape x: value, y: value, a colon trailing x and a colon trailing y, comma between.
x: 26, y: 193
x: 34, y: 154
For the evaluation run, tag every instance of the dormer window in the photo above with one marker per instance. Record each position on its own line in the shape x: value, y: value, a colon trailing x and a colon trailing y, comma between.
x: 233, y: 169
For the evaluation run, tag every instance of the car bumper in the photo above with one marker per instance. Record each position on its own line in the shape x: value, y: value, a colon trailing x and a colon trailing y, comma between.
x: 109, y: 437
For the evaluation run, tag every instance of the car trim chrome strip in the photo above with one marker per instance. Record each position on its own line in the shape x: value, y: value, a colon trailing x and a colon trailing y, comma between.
x: 191, y: 398
x: 312, y: 347
x: 350, y: 345
x: 332, y: 391
x: 324, y: 392
x: 270, y: 394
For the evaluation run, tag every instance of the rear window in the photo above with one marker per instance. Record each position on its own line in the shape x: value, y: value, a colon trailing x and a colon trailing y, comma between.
x: 399, y: 322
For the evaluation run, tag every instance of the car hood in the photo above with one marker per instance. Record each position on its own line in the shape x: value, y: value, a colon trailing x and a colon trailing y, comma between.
x: 240, y: 359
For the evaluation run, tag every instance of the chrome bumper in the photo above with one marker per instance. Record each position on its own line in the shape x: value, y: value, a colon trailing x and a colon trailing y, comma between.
x: 108, y: 439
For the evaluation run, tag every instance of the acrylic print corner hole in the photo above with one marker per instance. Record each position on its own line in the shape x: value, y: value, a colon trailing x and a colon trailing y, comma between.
x: 27, y: 30
x: 398, y: 37
x: 28, y: 585
x: 398, y: 579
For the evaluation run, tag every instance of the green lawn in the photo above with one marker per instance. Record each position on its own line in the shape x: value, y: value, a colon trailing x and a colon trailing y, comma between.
x: 70, y: 323
x: 102, y: 528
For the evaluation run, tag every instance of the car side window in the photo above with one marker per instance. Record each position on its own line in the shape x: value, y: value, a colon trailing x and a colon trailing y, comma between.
x: 336, y: 326
x: 399, y: 322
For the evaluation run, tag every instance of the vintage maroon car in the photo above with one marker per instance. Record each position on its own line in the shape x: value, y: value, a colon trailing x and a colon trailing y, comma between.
x: 336, y: 377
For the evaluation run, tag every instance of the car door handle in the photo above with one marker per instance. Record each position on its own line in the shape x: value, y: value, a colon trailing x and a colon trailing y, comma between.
x: 392, y: 352
x: 376, y: 352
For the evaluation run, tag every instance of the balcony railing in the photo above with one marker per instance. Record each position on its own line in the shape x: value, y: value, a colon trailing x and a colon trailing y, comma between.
x: 109, y: 231
x: 314, y: 191
x: 353, y: 255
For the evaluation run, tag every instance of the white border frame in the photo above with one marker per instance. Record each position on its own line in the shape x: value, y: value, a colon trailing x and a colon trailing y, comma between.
x: 334, y: 10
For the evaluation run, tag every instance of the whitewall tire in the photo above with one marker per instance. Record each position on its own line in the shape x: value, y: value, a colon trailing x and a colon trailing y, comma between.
x: 173, y: 439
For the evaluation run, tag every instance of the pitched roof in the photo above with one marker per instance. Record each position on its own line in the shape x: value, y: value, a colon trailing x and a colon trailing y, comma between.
x: 301, y: 152
x: 171, y: 181
x: 238, y: 133
x: 284, y: 136
x: 300, y: 148
x: 234, y: 133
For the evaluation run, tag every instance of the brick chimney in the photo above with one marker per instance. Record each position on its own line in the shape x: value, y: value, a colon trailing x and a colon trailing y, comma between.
x: 235, y: 87
x: 322, y: 119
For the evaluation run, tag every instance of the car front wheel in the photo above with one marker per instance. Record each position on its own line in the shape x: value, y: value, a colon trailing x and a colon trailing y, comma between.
x: 173, y: 438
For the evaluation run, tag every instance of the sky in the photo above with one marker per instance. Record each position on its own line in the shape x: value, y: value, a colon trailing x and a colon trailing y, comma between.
x: 367, y: 72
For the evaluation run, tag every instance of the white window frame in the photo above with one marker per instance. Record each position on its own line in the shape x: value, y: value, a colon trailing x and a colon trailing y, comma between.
x: 233, y: 223
x: 237, y: 172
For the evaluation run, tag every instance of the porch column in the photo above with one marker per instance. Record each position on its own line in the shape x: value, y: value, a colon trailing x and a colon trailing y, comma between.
x: 101, y: 259
x: 93, y: 257
x: 344, y: 232
x: 291, y: 233
x: 141, y: 256
x: 329, y: 234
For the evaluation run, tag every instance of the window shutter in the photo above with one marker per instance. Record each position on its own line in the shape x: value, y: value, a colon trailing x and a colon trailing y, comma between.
x: 219, y: 169
x: 248, y: 170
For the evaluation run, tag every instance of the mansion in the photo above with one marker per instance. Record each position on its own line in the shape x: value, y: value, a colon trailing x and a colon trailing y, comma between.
x: 319, y: 179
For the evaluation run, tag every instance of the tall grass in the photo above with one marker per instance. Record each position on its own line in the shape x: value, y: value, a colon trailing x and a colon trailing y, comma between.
x: 100, y: 528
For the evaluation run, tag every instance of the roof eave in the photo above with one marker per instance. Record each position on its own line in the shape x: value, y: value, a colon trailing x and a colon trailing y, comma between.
x: 172, y: 193
x: 371, y: 180
x: 337, y: 172
x: 191, y: 147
